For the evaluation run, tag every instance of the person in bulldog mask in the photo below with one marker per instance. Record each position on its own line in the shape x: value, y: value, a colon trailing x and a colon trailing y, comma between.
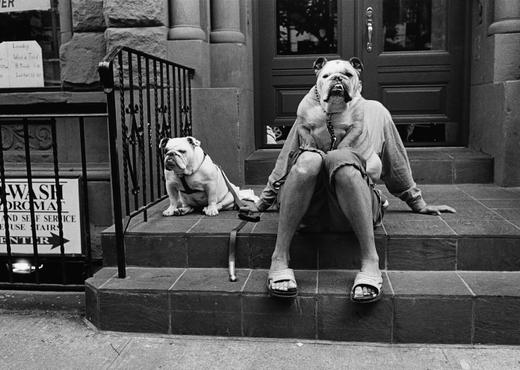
x: 339, y: 145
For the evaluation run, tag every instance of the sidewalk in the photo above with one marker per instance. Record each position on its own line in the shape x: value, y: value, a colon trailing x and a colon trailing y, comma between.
x: 64, y: 340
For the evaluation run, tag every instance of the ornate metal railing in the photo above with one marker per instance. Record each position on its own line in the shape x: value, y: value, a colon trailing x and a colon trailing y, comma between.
x: 148, y: 98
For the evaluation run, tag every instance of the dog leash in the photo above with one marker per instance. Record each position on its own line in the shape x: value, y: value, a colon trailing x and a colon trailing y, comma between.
x: 245, y: 217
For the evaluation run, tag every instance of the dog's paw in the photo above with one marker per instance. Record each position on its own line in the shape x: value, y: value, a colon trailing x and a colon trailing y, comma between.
x: 170, y: 211
x: 210, y: 210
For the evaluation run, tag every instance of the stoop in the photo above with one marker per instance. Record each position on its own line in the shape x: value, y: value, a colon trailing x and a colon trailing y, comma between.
x: 448, y: 279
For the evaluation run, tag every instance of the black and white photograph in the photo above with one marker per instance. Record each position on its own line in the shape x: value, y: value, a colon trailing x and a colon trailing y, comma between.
x: 260, y: 184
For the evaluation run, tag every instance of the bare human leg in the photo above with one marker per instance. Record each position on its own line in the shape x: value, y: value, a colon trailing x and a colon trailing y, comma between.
x: 355, y: 200
x: 297, y: 194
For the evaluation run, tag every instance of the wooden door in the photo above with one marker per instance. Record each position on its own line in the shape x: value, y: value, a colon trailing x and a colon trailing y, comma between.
x: 414, y: 64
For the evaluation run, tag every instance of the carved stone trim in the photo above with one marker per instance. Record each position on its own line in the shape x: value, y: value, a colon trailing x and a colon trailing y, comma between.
x: 40, y: 138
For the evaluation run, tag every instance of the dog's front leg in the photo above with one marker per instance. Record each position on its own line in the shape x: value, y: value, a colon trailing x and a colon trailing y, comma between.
x: 211, y: 191
x: 178, y: 206
x: 173, y: 195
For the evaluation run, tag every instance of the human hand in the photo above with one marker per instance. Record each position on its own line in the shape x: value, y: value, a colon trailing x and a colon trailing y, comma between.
x: 436, y: 210
x: 249, y: 207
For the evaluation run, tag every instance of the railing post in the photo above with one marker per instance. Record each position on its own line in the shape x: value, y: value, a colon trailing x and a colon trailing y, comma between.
x: 159, y: 125
x: 107, y: 77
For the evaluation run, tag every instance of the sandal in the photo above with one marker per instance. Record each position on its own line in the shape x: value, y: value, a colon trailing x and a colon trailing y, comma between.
x: 373, y: 281
x: 280, y: 276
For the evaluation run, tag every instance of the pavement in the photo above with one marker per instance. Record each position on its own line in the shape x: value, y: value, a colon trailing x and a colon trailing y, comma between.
x: 56, y: 339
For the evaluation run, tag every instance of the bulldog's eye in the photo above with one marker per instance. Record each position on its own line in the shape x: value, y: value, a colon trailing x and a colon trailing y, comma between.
x: 348, y: 74
x: 325, y: 76
x: 182, y: 151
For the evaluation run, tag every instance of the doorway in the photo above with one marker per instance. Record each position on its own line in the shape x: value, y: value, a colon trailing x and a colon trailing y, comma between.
x: 413, y: 53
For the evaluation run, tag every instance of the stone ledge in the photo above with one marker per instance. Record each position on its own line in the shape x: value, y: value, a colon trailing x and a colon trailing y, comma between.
x: 482, y: 235
x: 16, y: 300
x: 52, y: 97
x: 417, y: 307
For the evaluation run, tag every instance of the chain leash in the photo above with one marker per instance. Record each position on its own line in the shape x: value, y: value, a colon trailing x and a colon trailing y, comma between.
x: 330, y: 127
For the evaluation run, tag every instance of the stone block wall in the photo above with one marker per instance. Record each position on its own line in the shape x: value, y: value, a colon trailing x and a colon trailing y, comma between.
x: 80, y: 55
x: 495, y: 86
x: 139, y: 24
x: 135, y: 13
x: 150, y: 40
x: 211, y: 36
x: 101, y: 25
x: 87, y: 16
x: 79, y: 58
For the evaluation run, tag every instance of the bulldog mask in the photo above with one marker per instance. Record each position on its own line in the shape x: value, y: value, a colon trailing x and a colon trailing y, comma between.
x: 192, y: 179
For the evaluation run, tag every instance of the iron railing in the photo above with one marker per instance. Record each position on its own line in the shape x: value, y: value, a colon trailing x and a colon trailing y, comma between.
x: 32, y: 179
x: 154, y: 102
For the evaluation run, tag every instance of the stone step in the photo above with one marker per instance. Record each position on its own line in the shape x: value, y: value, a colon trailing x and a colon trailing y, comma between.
x: 416, y: 307
x: 429, y: 165
x: 484, y: 234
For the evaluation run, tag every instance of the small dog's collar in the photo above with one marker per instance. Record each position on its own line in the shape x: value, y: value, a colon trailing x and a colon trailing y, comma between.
x: 200, y: 165
x: 187, y: 189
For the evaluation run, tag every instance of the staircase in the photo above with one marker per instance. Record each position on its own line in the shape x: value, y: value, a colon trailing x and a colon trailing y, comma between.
x: 447, y: 279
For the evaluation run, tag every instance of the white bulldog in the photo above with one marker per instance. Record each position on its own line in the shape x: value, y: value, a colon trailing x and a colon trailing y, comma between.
x: 192, y: 179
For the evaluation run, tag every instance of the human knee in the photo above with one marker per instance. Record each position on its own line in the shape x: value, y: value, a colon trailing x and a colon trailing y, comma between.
x: 308, y: 164
x: 347, y: 175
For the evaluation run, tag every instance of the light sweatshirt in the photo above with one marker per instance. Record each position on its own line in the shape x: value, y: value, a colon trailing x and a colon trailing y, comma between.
x: 385, y: 141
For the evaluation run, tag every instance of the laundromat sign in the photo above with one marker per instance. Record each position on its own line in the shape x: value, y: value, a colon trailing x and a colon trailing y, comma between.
x: 45, y: 205
x: 23, y: 5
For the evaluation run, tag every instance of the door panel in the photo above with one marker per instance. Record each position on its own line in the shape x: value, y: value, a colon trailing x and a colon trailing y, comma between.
x: 285, y: 68
x: 414, y: 67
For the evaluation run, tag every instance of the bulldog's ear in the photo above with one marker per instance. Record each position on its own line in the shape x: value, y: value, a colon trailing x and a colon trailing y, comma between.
x: 193, y: 141
x: 163, y: 142
x: 357, y: 64
x: 318, y: 64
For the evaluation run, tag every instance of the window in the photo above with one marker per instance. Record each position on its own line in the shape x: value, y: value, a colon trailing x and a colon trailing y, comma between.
x: 306, y: 27
x: 43, y: 26
x: 414, y: 25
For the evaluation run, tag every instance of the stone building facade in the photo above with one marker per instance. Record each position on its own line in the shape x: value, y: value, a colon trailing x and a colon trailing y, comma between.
x: 494, y: 95
x: 219, y: 39
x: 216, y: 38
x: 213, y: 37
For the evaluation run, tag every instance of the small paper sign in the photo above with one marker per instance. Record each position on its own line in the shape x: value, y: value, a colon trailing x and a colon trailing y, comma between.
x: 21, y: 64
x: 7, y: 6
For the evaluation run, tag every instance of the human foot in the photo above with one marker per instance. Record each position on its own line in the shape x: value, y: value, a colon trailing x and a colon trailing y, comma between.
x: 281, y: 281
x: 367, y: 287
x: 282, y: 284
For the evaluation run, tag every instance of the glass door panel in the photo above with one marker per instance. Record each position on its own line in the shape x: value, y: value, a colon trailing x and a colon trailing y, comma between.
x: 412, y: 25
x: 307, y: 27
x: 415, y: 65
